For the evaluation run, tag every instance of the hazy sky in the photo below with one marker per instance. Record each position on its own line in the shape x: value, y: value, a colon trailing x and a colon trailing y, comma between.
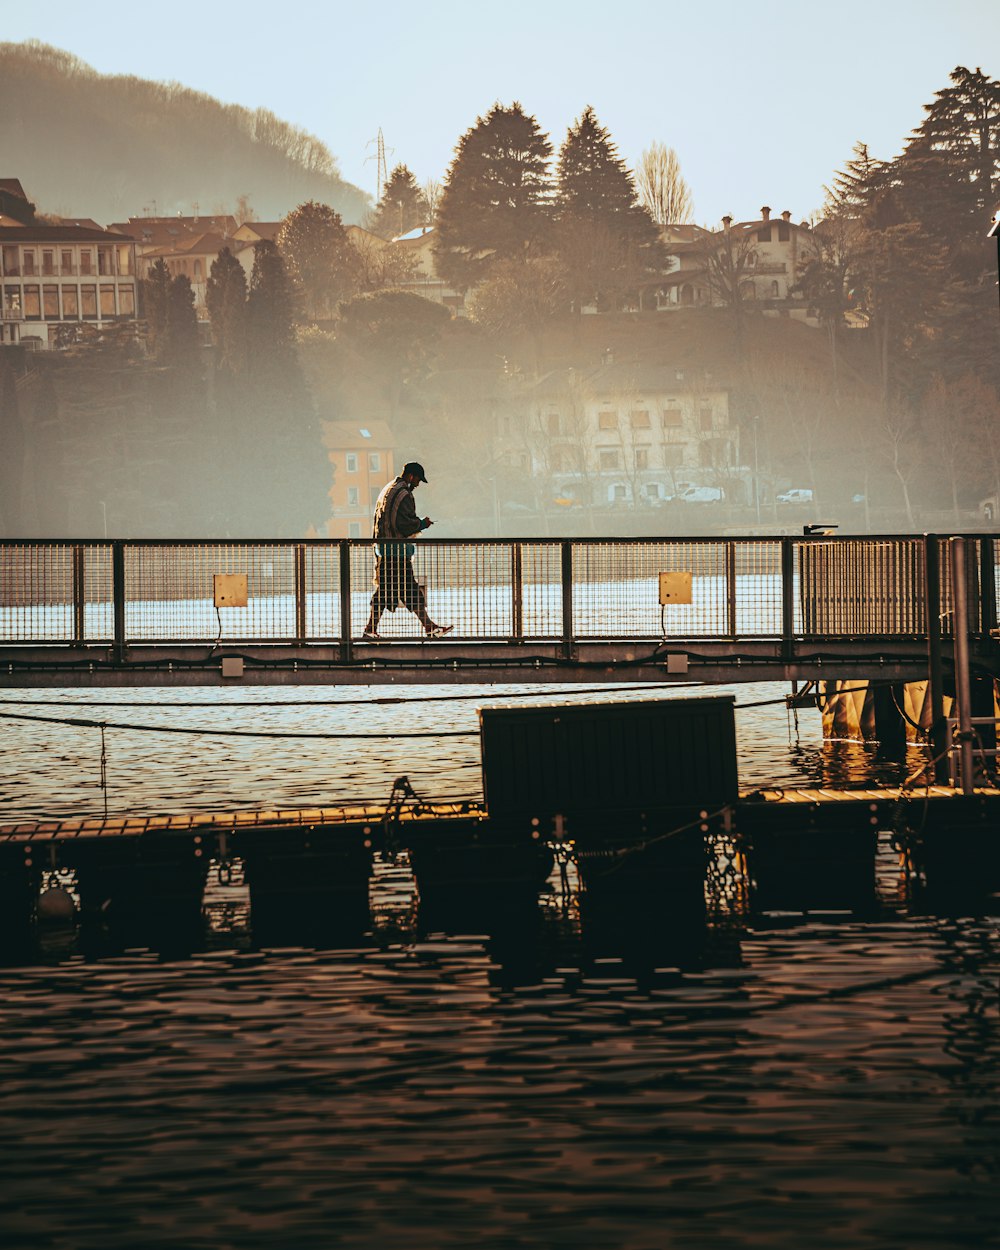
x: 761, y: 101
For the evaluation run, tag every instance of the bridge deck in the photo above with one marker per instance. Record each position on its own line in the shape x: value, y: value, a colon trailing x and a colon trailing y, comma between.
x: 123, y: 613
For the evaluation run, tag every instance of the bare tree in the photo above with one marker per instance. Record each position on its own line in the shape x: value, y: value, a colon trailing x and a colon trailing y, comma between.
x: 662, y: 189
x: 432, y: 194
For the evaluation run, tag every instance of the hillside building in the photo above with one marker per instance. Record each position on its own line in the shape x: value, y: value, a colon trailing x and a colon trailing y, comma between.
x: 627, y: 435
x: 362, y: 457
x: 59, y: 274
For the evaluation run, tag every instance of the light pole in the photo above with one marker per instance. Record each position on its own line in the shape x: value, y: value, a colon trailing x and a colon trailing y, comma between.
x: 994, y: 233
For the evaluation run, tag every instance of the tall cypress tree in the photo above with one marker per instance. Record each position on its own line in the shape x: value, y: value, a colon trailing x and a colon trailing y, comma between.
x: 607, y: 239
x: 155, y: 303
x: 495, y: 204
x: 226, y: 300
x: 286, y: 474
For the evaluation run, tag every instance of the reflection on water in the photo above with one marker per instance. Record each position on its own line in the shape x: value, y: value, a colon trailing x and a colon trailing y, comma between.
x: 574, y: 1071
x: 53, y: 770
x: 579, y: 1081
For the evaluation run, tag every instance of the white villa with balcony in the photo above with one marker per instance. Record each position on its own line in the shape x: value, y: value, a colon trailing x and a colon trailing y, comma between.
x: 52, y: 274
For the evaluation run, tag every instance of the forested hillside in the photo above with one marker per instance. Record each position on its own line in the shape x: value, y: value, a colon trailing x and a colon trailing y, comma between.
x: 93, y: 145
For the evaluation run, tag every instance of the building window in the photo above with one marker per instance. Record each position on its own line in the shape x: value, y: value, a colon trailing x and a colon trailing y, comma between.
x: 607, y: 420
x: 105, y: 261
x: 352, y: 462
x: 66, y: 261
x: 774, y: 289
x: 33, y: 303
x: 126, y: 301
x: 48, y: 262
x: 107, y: 300
x: 784, y: 232
x: 29, y: 261
x: 124, y: 260
x: 673, y: 417
x: 617, y: 493
x: 764, y: 234
x: 197, y: 271
x: 70, y: 303
x: 353, y: 497
x: 642, y: 457
x: 86, y: 260
x: 608, y: 458
x: 705, y: 418
x: 50, y: 301
x: 354, y: 529
x: 11, y: 265
x: 88, y: 302
x: 640, y: 419
x: 673, y: 455
x: 12, y: 302
x: 374, y: 462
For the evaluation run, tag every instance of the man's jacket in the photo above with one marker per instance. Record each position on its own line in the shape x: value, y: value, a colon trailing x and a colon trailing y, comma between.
x: 396, y: 512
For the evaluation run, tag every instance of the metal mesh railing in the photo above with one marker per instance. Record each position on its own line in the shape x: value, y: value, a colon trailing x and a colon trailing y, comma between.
x: 860, y: 587
x: 533, y: 589
x: 55, y: 592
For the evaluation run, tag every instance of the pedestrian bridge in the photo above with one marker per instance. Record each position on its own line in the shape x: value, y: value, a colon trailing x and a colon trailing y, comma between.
x: 132, y: 613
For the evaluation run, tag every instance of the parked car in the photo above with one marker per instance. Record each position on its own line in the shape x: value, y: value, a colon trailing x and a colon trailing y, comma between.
x: 798, y: 494
x: 702, y: 494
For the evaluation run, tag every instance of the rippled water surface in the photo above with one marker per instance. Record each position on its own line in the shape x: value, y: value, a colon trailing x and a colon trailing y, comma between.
x: 562, y: 1077
x: 54, y: 770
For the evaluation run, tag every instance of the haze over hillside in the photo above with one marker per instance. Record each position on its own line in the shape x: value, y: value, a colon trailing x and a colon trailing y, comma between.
x: 108, y: 147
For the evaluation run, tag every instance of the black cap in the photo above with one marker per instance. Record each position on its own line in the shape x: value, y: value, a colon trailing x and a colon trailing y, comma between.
x: 417, y: 470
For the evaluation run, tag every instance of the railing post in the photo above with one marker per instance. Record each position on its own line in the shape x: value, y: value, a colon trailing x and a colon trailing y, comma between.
x: 345, y: 600
x: 79, y: 596
x: 963, y: 690
x: 787, y: 599
x: 731, y: 589
x: 987, y: 587
x: 935, y: 664
x: 300, y: 593
x: 516, y: 594
x: 566, y: 554
x: 118, y: 598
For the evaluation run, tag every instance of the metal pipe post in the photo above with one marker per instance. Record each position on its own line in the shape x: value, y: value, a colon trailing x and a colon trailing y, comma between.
x: 935, y: 663
x: 118, y: 598
x: 963, y: 691
x: 345, y: 600
x: 567, y: 596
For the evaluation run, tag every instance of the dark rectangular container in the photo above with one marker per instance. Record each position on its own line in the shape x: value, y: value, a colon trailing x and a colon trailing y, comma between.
x: 650, y: 755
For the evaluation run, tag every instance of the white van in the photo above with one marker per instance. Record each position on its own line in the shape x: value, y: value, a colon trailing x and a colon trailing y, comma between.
x: 702, y: 494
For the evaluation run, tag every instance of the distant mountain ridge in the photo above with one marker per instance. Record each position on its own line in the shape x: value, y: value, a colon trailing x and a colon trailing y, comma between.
x: 113, y: 146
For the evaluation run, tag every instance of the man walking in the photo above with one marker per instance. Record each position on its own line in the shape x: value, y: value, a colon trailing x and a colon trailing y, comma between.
x: 395, y: 521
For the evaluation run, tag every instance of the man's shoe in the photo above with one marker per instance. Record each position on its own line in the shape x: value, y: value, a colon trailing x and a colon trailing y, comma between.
x: 439, y: 631
x: 370, y: 635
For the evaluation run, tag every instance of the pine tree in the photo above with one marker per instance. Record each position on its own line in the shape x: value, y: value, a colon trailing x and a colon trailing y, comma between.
x: 495, y: 204
x: 226, y: 299
x: 964, y: 121
x: 285, y: 476
x: 320, y: 257
x: 403, y: 206
x: 179, y: 343
x: 607, y: 239
x: 155, y: 303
